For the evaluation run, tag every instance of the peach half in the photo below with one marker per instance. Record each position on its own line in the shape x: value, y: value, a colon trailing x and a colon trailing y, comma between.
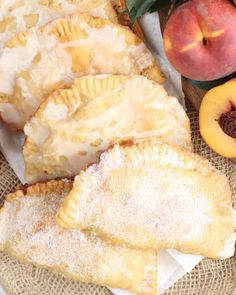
x: 217, y: 119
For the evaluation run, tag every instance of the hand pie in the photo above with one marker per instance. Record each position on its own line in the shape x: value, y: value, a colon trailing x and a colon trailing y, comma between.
x: 29, y: 232
x: 72, y: 127
x: 153, y: 195
x: 19, y: 15
x: 41, y: 60
x: 124, y: 19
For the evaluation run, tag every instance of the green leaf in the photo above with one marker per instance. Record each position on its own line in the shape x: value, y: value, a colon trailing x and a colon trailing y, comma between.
x: 137, y: 8
x: 138, y: 4
x: 130, y: 4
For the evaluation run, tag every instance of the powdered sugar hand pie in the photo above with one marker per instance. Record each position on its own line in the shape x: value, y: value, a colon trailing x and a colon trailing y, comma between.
x: 72, y: 127
x: 19, y: 15
x: 41, y: 60
x: 153, y: 195
x: 28, y: 231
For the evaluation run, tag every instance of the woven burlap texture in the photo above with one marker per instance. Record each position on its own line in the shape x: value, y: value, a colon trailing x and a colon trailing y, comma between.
x: 209, y: 277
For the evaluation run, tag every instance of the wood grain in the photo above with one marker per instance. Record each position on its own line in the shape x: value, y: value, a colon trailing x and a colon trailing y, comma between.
x: 193, y: 94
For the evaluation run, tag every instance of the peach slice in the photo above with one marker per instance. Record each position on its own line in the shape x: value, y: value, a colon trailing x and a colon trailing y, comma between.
x: 217, y: 119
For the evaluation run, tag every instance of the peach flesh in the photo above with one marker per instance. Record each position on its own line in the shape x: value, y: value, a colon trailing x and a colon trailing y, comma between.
x: 217, y: 119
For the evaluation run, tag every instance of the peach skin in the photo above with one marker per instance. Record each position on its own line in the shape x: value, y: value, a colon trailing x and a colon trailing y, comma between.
x: 200, y: 39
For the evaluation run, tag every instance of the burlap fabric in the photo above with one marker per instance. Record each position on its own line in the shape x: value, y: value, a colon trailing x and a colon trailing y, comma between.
x: 209, y: 277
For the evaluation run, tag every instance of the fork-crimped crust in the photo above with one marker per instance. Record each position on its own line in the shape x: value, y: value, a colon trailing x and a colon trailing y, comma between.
x: 151, y: 195
x: 29, y: 232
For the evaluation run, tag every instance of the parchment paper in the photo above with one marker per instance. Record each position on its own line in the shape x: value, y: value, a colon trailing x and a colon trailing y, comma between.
x: 172, y: 264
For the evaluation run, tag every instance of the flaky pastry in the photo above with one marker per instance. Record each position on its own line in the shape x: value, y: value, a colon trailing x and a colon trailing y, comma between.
x: 29, y: 232
x: 153, y: 195
x: 124, y: 19
x: 72, y: 127
x: 41, y: 60
x: 19, y: 15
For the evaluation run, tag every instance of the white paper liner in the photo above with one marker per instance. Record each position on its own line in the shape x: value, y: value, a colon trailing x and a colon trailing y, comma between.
x: 170, y: 269
x: 2, y: 292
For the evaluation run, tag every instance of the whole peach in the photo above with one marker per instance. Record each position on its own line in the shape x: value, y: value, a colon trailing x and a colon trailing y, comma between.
x: 200, y: 39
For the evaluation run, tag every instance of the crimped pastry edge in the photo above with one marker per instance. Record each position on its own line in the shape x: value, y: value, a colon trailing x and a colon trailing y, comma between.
x: 70, y: 97
x: 44, y: 188
x: 152, y: 72
x: 58, y: 187
x: 186, y: 161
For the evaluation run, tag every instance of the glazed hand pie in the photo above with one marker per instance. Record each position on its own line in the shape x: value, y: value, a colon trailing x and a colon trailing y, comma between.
x: 19, y: 15
x: 72, y: 127
x: 124, y: 19
x: 153, y: 195
x: 38, y: 61
x: 29, y: 232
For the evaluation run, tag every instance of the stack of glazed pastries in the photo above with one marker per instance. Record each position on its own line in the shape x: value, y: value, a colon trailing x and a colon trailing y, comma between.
x: 87, y: 93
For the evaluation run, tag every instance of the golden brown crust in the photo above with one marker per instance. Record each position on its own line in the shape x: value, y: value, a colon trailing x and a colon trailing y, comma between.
x: 38, y: 13
x: 79, y: 58
x: 66, y: 30
x: 42, y: 188
x: 35, y: 238
x: 87, y: 101
x: 120, y: 7
x: 154, y: 73
x: 19, y: 40
x: 190, y: 209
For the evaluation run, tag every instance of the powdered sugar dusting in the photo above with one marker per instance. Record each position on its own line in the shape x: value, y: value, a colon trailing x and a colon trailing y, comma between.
x: 138, y: 195
x: 172, y: 213
x: 229, y: 247
x: 34, y: 235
